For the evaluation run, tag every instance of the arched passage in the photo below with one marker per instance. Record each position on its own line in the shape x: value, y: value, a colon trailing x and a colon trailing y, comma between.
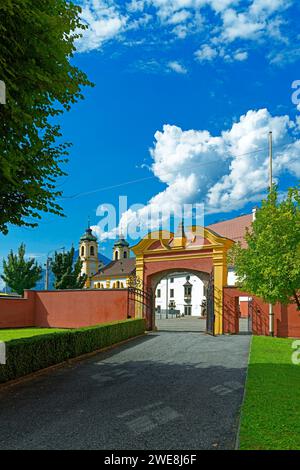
x: 194, y: 249
x: 195, y: 296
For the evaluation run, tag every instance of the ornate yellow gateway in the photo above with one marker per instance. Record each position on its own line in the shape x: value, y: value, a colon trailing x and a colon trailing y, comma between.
x: 197, y: 250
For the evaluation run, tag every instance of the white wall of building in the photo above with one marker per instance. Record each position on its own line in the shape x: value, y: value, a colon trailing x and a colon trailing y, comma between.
x: 175, y: 283
x: 231, y: 277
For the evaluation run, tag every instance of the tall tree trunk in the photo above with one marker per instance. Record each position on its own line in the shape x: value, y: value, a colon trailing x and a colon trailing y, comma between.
x: 297, y: 299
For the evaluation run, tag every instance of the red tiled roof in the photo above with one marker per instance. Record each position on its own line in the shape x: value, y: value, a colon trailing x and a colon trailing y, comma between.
x: 234, y: 229
x: 122, y: 267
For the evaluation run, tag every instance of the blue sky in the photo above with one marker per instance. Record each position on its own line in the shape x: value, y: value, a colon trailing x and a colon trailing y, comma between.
x: 186, y: 92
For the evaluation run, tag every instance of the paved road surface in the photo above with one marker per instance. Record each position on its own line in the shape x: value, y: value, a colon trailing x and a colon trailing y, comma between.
x: 181, y: 324
x: 165, y: 391
x: 192, y: 324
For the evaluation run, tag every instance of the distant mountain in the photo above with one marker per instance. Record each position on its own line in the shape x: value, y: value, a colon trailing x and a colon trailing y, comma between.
x: 40, y: 285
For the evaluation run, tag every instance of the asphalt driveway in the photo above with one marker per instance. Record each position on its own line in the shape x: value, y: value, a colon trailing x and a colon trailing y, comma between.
x: 168, y: 390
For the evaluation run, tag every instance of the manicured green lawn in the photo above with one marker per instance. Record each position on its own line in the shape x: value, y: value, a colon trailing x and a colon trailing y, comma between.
x: 15, y: 333
x: 271, y: 411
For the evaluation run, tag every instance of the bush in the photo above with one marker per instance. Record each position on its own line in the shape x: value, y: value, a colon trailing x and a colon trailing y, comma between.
x: 28, y: 355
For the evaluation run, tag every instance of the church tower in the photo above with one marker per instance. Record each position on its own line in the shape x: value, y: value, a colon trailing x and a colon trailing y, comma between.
x: 88, y: 253
x: 121, y: 249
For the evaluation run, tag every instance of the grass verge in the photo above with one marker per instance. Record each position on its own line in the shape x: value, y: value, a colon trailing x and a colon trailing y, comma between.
x: 17, y: 333
x: 270, y: 413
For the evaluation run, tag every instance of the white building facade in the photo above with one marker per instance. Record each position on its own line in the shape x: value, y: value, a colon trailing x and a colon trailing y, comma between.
x: 180, y: 294
x: 174, y: 295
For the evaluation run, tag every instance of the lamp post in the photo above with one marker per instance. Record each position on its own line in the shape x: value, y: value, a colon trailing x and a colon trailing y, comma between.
x: 48, y: 264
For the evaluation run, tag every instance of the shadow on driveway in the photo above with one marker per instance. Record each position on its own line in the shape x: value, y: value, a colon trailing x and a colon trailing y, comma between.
x: 162, y: 391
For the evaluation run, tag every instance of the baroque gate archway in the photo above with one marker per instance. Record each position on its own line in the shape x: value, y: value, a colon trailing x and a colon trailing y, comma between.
x: 194, y: 249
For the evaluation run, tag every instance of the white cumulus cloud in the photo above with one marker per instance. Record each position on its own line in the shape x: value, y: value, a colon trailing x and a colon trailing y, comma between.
x: 241, y: 55
x: 206, y: 53
x: 224, y: 171
x: 104, y: 21
x: 220, y: 25
x: 177, y: 67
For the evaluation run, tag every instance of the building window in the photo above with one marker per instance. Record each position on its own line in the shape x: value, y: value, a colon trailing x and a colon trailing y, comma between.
x: 116, y: 256
x: 158, y: 308
x: 171, y: 292
x: 92, y: 251
x: 187, y: 291
x: 125, y: 254
x: 172, y: 280
x: 158, y: 294
x: 82, y: 251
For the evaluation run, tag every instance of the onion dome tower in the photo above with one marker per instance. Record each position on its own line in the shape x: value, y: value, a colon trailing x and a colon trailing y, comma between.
x: 88, y: 253
x: 121, y: 249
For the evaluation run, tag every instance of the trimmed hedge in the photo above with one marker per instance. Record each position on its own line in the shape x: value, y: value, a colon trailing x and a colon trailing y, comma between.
x: 27, y: 355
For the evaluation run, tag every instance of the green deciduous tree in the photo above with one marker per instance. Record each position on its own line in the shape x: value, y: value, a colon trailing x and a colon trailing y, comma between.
x: 19, y: 273
x: 36, y: 49
x: 270, y: 265
x: 67, y: 273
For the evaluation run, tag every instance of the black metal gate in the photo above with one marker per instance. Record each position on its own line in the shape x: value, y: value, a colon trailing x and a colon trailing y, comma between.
x: 210, y: 302
x: 140, y: 305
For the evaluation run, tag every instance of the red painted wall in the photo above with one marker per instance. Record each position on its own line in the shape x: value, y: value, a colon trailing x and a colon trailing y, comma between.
x: 75, y: 309
x: 17, y: 313
x: 286, y: 317
x: 260, y: 317
x: 64, y: 309
x: 230, y: 311
x: 244, y: 308
x: 287, y: 321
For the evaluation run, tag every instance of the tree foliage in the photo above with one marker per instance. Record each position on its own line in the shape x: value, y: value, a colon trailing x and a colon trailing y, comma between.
x: 36, y: 49
x: 19, y: 273
x: 67, y: 273
x: 270, y: 265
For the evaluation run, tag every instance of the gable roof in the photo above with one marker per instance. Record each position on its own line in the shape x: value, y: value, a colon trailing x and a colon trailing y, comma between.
x: 234, y: 229
x: 121, y: 267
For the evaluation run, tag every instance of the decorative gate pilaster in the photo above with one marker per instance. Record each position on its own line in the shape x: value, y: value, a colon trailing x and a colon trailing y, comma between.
x: 210, y: 306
